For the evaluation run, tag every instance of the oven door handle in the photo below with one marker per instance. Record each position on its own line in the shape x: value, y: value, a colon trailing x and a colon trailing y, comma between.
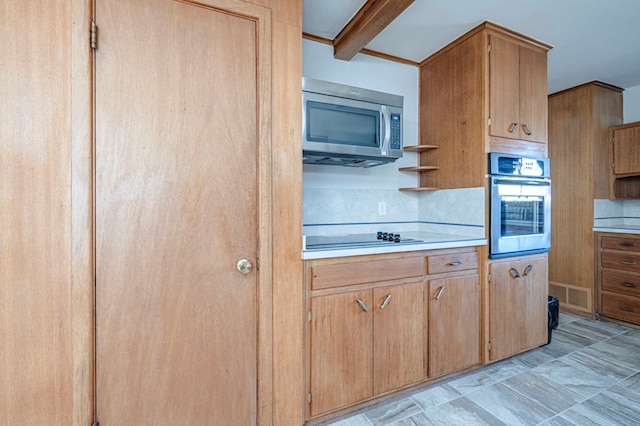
x: 518, y: 182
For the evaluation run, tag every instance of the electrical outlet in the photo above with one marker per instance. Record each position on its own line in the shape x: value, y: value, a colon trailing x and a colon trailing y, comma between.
x: 382, y: 208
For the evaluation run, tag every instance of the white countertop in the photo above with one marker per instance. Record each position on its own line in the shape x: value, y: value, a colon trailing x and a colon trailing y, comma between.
x: 618, y: 229
x: 428, y: 241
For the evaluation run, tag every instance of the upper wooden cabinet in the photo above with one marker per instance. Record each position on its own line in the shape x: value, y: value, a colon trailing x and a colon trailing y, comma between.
x: 624, y: 180
x: 484, y: 92
x: 518, y: 97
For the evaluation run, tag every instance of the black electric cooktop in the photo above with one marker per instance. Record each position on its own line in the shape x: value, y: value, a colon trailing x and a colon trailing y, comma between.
x: 357, y: 240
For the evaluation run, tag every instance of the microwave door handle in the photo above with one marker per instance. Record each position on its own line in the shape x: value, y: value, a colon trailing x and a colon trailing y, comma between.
x: 386, y: 130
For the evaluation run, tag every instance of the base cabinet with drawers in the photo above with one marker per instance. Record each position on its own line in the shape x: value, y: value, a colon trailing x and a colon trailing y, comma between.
x: 381, y: 323
x: 618, y: 276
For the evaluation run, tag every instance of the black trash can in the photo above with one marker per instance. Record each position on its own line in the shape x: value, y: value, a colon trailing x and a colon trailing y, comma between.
x: 554, y: 315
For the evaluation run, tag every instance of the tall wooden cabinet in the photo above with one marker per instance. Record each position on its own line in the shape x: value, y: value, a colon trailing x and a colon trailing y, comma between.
x: 579, y: 120
x: 484, y: 92
x: 58, y: 234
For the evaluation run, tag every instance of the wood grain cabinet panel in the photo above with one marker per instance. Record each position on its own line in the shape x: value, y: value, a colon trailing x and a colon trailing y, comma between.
x: 518, y: 105
x: 517, y: 305
x: 342, y: 350
x: 454, y: 323
x: 398, y: 330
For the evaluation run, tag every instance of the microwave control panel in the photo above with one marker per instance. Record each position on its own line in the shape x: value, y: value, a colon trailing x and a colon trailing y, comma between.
x: 396, y: 139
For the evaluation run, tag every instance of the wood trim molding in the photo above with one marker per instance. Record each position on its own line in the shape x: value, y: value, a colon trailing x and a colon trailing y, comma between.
x: 372, y: 18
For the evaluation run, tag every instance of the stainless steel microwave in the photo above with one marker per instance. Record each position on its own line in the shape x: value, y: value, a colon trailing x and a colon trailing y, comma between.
x: 349, y: 126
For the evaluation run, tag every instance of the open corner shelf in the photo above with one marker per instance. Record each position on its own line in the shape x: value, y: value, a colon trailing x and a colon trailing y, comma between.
x: 421, y: 168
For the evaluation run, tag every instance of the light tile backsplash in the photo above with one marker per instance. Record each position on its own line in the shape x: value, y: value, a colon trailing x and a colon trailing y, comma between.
x: 616, y: 213
x: 335, y: 211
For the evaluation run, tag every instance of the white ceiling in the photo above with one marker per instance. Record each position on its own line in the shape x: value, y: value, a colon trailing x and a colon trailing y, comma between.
x: 591, y: 39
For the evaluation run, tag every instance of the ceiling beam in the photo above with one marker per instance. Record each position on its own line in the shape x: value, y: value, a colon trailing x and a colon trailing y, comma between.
x: 372, y: 18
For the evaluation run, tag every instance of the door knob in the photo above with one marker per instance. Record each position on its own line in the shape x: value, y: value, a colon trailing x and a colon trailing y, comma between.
x: 244, y: 266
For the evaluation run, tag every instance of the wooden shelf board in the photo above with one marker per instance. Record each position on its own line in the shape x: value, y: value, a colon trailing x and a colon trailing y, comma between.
x: 419, y: 148
x: 418, y: 168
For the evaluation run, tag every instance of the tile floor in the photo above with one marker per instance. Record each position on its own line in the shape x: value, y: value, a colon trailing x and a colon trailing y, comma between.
x: 588, y: 375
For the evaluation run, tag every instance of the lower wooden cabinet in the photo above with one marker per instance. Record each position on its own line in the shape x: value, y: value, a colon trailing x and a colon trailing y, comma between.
x: 618, y: 276
x: 454, y: 324
x: 518, y: 305
x: 365, y: 343
x: 370, y: 334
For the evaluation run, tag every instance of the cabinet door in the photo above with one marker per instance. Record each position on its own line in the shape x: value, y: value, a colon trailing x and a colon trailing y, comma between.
x: 626, y: 150
x: 341, y: 350
x: 504, y: 88
x: 518, y: 306
x: 518, y: 91
x: 533, y: 95
x: 454, y: 324
x: 398, y: 336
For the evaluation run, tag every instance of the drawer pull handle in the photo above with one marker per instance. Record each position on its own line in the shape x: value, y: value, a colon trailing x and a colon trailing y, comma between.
x: 513, y: 127
x: 363, y: 305
x: 627, y: 262
x: 455, y: 263
x: 628, y: 285
x: 626, y: 244
x: 526, y: 129
x: 440, y: 291
x: 625, y: 309
x: 386, y: 301
x: 514, y: 273
x: 527, y: 270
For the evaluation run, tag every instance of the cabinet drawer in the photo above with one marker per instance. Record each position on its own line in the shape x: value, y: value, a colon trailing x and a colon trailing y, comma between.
x: 620, y: 306
x: 621, y: 243
x: 452, y: 262
x: 624, y: 261
x: 342, y: 274
x: 621, y: 283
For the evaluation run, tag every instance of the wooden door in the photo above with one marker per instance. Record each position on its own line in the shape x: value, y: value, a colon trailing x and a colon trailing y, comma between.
x: 398, y: 336
x: 454, y: 324
x: 504, y: 88
x: 36, y: 385
x: 533, y: 95
x: 341, y: 350
x: 177, y: 142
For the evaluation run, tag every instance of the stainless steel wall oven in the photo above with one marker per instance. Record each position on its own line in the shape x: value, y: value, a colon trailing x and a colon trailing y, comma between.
x: 520, y: 205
